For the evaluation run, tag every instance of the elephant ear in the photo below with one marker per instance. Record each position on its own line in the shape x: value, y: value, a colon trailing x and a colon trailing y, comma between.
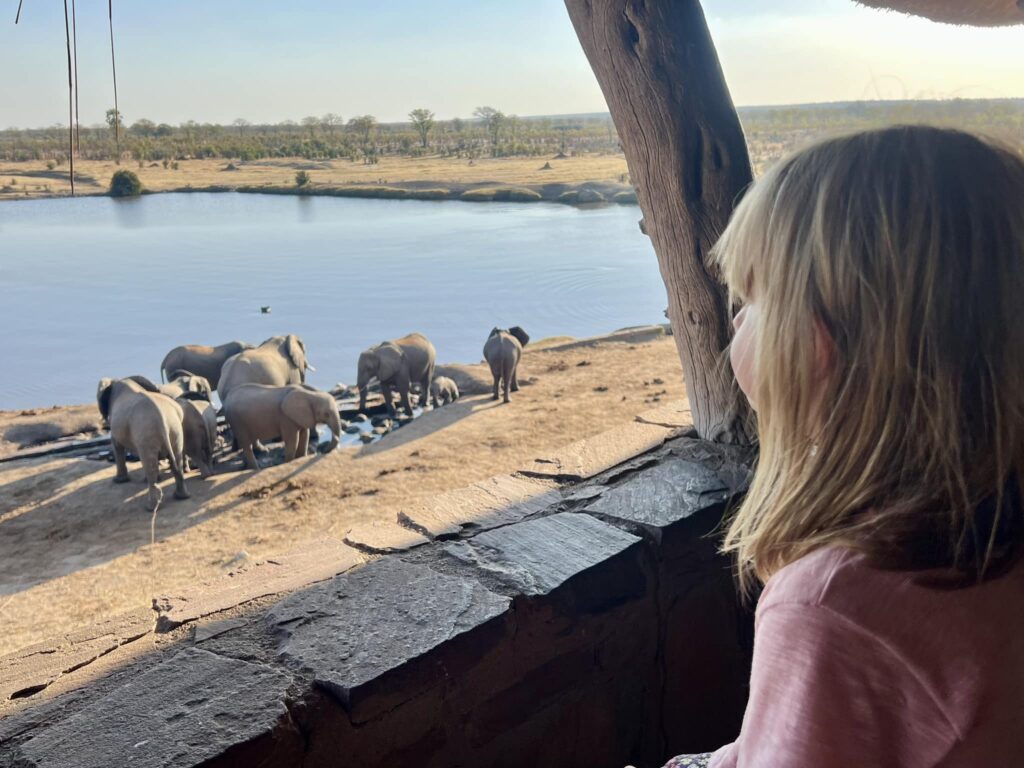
x: 390, y: 357
x: 298, y: 405
x: 145, y: 383
x: 103, y: 397
x: 520, y: 334
x: 296, y: 351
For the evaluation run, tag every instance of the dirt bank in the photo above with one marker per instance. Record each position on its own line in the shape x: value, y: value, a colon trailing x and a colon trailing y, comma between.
x: 74, y: 546
x: 430, y: 177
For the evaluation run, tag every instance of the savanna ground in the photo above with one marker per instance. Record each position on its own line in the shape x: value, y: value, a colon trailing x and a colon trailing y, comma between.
x: 76, y: 547
x: 28, y: 179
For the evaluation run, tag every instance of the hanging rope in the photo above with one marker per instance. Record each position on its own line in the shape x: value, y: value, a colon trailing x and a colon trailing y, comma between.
x: 71, y: 101
x: 113, y: 69
x: 74, y: 45
x: 18, y: 14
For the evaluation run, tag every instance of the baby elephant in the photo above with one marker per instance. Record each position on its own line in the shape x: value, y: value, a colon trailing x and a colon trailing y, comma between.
x: 200, y: 426
x: 502, y: 352
x: 444, y: 390
x: 147, y: 423
x: 188, y: 385
x: 262, y: 412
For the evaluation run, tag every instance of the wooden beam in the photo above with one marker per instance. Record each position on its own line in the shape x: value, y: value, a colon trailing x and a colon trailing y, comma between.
x: 657, y: 66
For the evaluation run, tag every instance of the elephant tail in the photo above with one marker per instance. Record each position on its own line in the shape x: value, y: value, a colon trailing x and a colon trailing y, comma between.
x: 508, y: 365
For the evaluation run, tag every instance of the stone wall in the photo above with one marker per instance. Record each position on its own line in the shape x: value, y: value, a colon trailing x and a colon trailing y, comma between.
x: 572, y: 614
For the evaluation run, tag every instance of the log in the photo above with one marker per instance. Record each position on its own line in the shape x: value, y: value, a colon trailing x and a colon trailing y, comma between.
x: 657, y: 66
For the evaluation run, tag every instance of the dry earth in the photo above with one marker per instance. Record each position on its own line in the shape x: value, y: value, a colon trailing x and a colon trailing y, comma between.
x: 75, y: 547
x: 33, y: 179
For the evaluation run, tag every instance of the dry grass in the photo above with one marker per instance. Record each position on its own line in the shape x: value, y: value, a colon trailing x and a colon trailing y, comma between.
x: 77, y: 546
x: 93, y: 177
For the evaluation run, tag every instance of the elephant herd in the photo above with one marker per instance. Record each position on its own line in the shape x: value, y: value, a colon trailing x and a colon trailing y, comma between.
x: 264, y: 396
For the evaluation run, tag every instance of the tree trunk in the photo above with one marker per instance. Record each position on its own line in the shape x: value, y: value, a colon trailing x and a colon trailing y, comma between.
x: 687, y: 156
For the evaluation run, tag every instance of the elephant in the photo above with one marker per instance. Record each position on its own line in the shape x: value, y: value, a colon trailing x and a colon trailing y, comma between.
x: 398, y: 364
x: 199, y: 422
x: 200, y: 360
x: 187, y: 385
x: 261, y: 412
x: 278, y: 361
x: 444, y: 391
x: 148, y: 423
x: 502, y: 351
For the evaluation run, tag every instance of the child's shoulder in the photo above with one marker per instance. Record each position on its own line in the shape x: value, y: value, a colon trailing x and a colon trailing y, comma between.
x: 819, y: 578
x: 889, y: 602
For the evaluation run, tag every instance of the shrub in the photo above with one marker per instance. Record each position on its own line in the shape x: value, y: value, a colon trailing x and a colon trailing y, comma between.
x: 484, y: 195
x: 301, y: 179
x: 517, y: 195
x: 501, y: 194
x: 124, y: 183
x: 50, y: 165
x: 589, y: 196
x: 429, y: 194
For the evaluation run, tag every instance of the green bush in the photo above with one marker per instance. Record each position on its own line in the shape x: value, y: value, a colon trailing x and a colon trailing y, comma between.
x: 124, y: 183
x: 301, y: 179
x: 501, y: 194
x: 484, y: 195
x: 429, y: 194
x: 589, y: 196
x: 517, y: 195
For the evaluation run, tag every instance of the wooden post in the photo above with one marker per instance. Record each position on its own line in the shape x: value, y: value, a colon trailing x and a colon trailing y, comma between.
x: 658, y: 69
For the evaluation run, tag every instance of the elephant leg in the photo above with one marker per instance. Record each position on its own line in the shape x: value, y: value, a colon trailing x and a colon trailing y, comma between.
x: 406, y: 402
x: 291, y: 435
x: 496, y: 374
x: 180, y: 489
x: 120, y: 461
x: 507, y: 386
x: 427, y: 396
x: 151, y: 468
x: 515, y: 376
x: 386, y: 390
x: 250, y: 457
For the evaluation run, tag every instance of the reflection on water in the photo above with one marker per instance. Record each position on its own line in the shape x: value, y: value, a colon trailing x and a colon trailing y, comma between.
x: 97, y: 287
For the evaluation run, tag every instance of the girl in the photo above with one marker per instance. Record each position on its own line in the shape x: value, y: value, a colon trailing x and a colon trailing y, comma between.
x: 882, y: 345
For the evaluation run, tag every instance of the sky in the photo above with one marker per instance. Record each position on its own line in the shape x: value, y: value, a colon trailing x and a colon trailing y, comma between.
x: 214, y: 61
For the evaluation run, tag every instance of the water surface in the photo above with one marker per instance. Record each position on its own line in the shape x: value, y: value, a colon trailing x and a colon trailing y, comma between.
x: 95, y: 287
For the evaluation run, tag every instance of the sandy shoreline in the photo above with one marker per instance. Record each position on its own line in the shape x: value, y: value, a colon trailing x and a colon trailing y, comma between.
x: 582, y: 179
x: 77, y: 547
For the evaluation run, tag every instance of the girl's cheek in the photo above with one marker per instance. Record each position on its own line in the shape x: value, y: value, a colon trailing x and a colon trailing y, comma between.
x: 743, y: 349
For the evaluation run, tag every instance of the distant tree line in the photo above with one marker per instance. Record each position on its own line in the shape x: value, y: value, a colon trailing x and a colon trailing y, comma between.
x: 771, y: 131
x: 360, y: 138
x: 788, y: 127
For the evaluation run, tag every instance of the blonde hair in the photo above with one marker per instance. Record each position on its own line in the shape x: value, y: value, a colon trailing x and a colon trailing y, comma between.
x: 907, y: 246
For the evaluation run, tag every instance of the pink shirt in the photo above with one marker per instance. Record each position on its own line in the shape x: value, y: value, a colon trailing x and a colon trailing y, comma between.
x: 857, y: 667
